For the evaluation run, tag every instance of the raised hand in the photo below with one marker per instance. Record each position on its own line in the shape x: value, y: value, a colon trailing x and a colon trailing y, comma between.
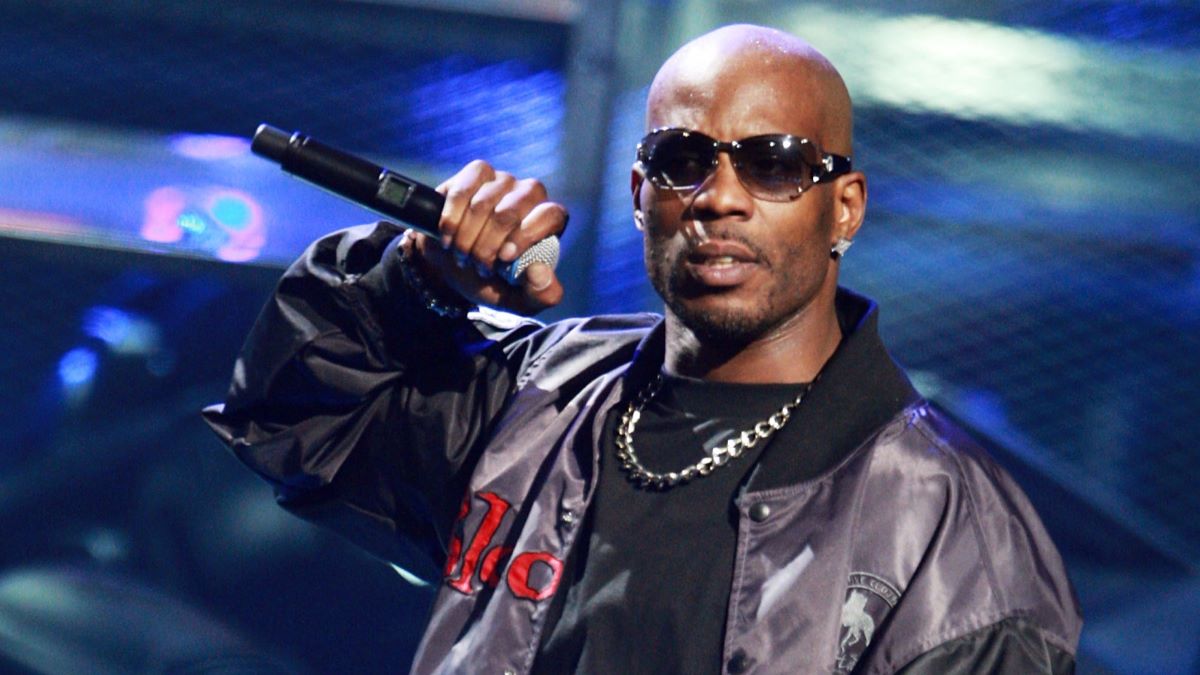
x: 490, y: 218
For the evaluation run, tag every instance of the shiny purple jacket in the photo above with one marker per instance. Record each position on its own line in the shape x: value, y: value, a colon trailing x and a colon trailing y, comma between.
x: 466, y: 451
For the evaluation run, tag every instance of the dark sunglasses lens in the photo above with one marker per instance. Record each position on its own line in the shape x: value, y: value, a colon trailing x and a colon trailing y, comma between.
x: 678, y: 160
x: 774, y: 169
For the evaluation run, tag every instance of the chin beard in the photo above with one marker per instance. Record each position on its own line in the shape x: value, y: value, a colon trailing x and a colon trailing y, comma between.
x: 724, y: 328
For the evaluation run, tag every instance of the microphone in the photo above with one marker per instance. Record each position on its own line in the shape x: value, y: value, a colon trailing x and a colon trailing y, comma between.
x: 376, y: 188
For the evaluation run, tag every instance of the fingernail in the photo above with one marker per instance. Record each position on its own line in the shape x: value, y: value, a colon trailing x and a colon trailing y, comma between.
x: 460, y: 259
x: 508, y: 252
x: 539, y: 276
x: 447, y: 240
x: 483, y: 270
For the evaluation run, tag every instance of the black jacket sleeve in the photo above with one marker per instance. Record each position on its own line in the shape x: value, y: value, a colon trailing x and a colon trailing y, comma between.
x: 363, y: 409
x: 1008, y: 647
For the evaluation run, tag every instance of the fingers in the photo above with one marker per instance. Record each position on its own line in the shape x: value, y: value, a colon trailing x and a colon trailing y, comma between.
x: 538, y: 290
x: 487, y: 209
x: 507, y: 219
x: 544, y: 220
x: 460, y: 192
x: 489, y: 219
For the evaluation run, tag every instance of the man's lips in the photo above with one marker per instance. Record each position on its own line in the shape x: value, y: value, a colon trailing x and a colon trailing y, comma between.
x: 721, y: 263
x: 731, y: 251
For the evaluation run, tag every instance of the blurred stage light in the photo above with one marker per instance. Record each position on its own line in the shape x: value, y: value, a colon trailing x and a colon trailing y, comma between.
x: 123, y: 332
x: 76, y: 371
x: 231, y: 211
x: 39, y: 222
x: 106, y: 545
x: 410, y: 577
x: 209, y: 146
x: 77, y: 367
x: 978, y: 70
x: 220, y: 221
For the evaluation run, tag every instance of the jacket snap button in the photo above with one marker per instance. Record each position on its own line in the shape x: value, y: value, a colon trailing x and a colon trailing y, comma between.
x: 760, y: 512
x: 740, y: 662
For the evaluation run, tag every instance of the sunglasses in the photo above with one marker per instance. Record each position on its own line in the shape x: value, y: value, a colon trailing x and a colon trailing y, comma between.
x: 772, y: 167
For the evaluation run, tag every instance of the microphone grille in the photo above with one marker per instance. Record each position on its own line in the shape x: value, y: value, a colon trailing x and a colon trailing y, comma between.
x: 545, y: 252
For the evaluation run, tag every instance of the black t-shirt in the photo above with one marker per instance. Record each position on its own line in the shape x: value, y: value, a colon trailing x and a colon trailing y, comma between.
x: 649, y: 590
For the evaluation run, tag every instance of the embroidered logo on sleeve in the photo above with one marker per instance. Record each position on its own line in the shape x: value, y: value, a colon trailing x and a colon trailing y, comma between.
x: 869, y: 598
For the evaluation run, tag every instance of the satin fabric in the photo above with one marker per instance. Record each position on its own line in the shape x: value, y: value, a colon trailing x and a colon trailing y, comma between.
x: 465, y: 452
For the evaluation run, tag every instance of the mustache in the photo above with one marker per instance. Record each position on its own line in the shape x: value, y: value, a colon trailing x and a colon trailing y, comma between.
x: 725, y: 234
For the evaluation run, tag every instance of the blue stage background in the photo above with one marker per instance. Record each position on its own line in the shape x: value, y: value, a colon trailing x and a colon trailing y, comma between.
x: 1033, y: 238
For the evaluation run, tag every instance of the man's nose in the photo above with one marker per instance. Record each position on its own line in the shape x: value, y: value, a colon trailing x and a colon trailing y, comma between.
x: 722, y: 193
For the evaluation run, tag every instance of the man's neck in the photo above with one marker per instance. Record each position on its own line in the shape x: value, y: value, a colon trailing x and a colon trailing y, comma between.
x: 793, y: 352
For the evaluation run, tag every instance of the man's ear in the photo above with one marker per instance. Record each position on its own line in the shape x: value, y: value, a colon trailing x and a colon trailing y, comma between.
x: 850, y: 208
x: 637, y: 178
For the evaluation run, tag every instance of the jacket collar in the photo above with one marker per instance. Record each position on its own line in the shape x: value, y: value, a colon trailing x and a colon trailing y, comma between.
x: 858, y: 391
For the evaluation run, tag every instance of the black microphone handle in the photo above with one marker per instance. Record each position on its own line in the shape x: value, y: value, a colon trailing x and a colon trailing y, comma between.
x: 381, y: 190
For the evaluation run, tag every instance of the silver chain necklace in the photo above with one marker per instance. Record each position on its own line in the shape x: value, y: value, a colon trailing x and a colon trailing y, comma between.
x: 717, y: 457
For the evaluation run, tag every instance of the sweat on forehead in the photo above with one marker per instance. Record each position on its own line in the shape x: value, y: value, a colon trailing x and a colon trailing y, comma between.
x: 759, y: 61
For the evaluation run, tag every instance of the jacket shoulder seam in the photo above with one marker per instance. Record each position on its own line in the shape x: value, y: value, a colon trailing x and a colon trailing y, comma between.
x: 972, y: 503
x: 980, y: 624
x: 529, y: 371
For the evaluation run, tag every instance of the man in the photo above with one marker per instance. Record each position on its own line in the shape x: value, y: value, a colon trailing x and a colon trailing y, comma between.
x: 748, y: 484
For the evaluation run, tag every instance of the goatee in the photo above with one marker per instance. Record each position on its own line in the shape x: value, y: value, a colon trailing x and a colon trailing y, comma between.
x: 725, y: 328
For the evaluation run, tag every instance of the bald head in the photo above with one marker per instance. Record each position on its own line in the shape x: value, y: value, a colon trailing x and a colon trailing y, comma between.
x: 744, y: 64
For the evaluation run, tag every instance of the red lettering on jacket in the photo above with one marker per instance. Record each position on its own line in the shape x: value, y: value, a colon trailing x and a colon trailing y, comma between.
x: 518, y: 575
x: 456, y: 540
x: 491, y: 564
x: 497, y: 507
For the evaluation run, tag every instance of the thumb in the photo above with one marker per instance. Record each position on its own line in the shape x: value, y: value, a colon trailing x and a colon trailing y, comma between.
x: 538, y: 277
x: 540, y: 288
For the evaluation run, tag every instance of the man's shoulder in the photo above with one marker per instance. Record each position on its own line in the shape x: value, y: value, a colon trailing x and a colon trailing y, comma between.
x: 600, y: 335
x: 614, y: 331
x: 986, y: 534
x: 611, y: 330
x: 598, y: 324
x: 934, y: 444
x: 576, y: 348
x: 979, y: 509
x: 935, y: 450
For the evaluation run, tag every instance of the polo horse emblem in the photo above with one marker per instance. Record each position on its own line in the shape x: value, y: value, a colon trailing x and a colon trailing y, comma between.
x: 869, y: 598
x: 858, y: 625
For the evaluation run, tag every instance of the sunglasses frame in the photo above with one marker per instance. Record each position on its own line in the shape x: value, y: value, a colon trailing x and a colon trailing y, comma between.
x: 830, y: 166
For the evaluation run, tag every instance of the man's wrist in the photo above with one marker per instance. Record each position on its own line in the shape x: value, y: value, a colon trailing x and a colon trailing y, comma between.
x: 441, y: 301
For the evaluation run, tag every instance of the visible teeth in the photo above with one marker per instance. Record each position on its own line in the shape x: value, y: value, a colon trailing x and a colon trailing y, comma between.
x: 721, y: 261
